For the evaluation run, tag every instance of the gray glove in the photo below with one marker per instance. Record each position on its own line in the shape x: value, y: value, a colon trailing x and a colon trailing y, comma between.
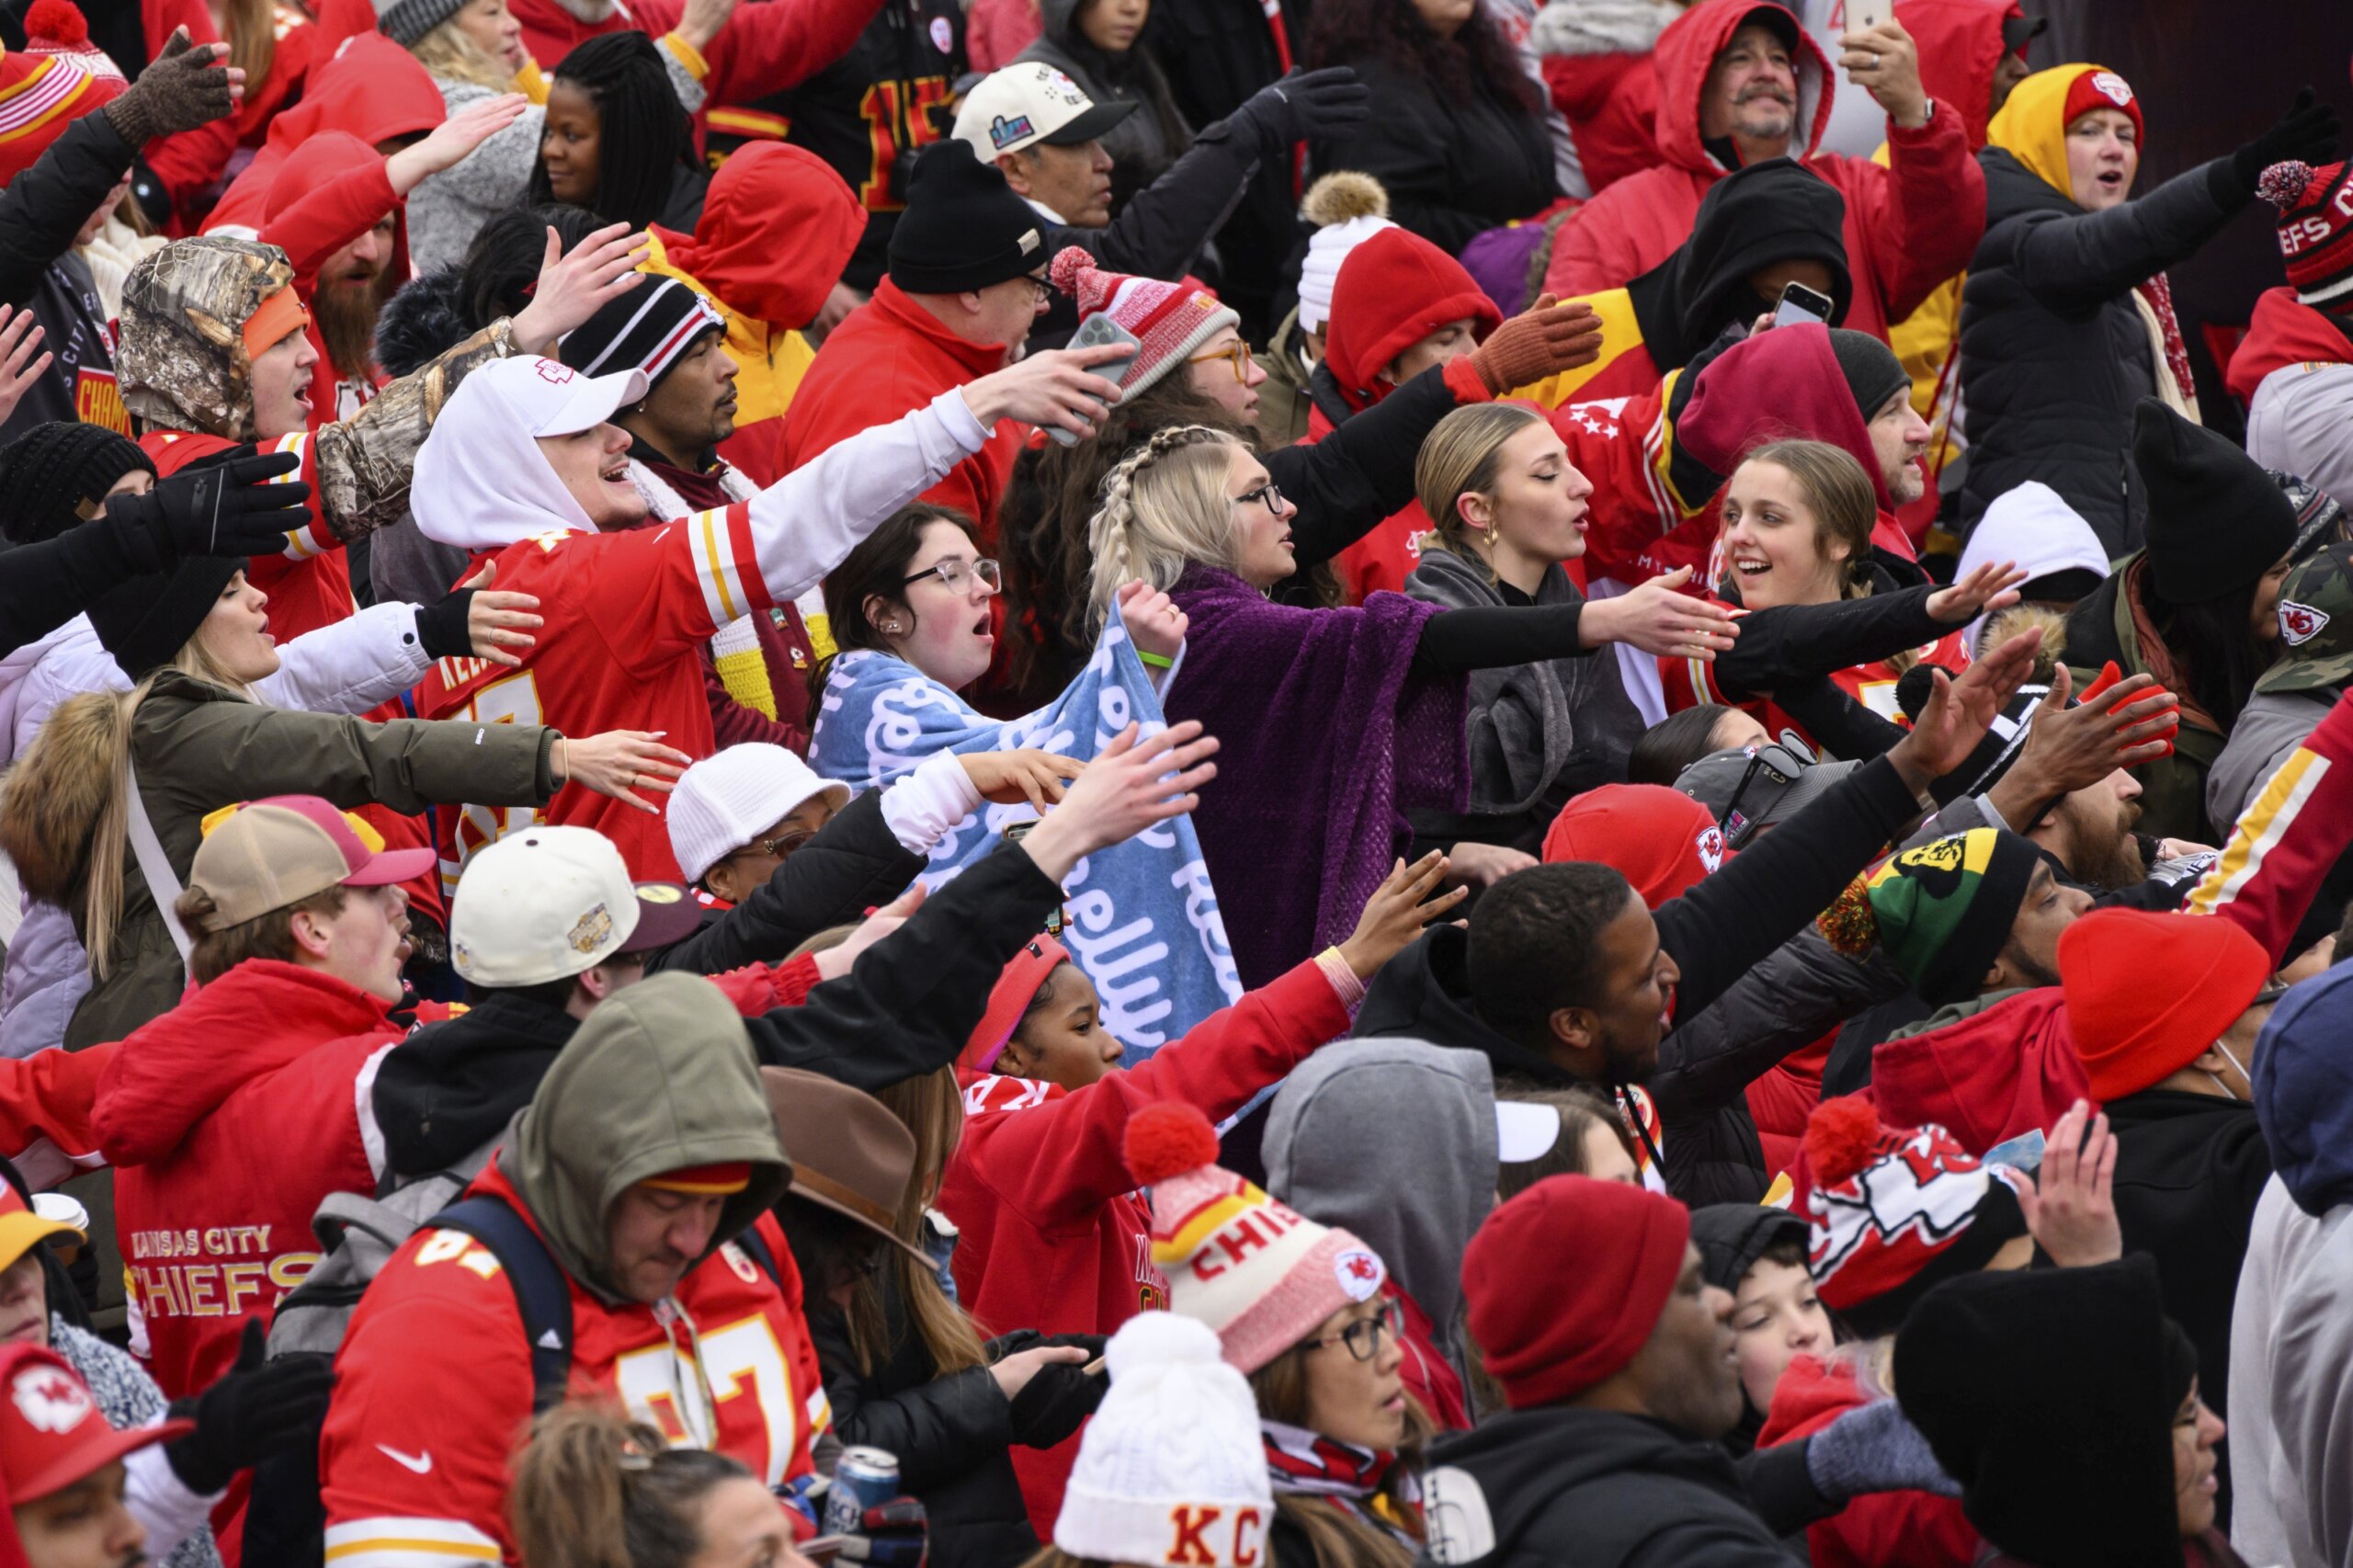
x: 182, y: 89
x: 1875, y: 1448
x: 1305, y: 105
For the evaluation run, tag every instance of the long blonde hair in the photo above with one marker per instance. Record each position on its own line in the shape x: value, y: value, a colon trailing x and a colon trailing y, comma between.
x: 1164, y: 507
x: 1459, y: 456
x: 446, y: 52
x: 932, y: 1108
x: 251, y: 37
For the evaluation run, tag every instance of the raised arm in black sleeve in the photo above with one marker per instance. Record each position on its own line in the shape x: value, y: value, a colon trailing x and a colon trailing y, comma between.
x: 45, y: 586
x: 1794, y: 642
x: 1455, y: 641
x: 911, y: 1000
x: 1362, y: 472
x: 1839, y: 725
x: 43, y: 208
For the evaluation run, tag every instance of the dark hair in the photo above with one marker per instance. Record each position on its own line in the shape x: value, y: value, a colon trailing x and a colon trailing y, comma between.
x: 1043, y: 535
x: 643, y: 136
x: 1534, y: 942
x: 1343, y: 32
x: 1674, y: 743
x: 594, y: 1489
x: 2214, y: 651
x: 879, y: 565
x: 1581, y: 1107
x: 269, y: 935
x: 503, y: 261
x: 1789, y: 1252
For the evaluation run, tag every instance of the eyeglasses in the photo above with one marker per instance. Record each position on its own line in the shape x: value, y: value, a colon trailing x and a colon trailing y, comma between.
x: 956, y: 576
x: 782, y: 847
x: 1236, y: 354
x: 1363, y: 1337
x: 1267, y: 494
x: 1039, y: 289
x: 1780, y: 761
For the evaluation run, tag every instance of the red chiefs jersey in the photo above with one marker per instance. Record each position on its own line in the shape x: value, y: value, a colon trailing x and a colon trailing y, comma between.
x: 433, y: 1387
x: 626, y: 614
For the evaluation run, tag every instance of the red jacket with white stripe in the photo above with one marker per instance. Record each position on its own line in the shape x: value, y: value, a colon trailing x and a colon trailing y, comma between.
x: 1053, y: 1235
x: 433, y: 1388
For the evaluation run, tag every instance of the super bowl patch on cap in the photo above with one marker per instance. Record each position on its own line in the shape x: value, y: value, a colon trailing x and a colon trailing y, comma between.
x: 1004, y: 132
x: 1360, y: 1273
x: 589, y: 933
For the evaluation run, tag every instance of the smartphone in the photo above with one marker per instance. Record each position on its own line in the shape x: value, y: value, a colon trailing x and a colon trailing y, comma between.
x: 1864, y: 15
x: 1092, y: 331
x: 1800, y: 303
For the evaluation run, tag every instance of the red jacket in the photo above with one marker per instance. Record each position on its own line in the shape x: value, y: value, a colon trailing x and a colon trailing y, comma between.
x: 372, y: 88
x: 228, y: 1118
x: 2283, y: 331
x: 887, y: 358
x: 1611, y: 104
x: 1910, y: 225
x: 767, y: 46
x: 1429, y: 1376
x: 1915, y: 1530
x: 415, y: 1460
x: 190, y: 162
x: 1055, y: 1236
x: 330, y: 191
x: 47, y: 1101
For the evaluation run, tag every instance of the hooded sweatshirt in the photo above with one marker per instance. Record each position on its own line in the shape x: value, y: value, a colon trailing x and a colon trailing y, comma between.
x: 417, y: 1443
x: 1919, y: 1529
x: 1412, y: 1187
x: 332, y: 190
x: 2034, y: 527
x: 2295, y: 371
x: 1595, y: 57
x: 1909, y: 225
x: 372, y: 88
x: 777, y: 225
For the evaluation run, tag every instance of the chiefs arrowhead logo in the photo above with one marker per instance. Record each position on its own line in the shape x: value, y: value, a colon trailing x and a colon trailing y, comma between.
x: 1360, y: 1273
x: 2299, y: 624
x: 1710, y: 845
x: 2112, y: 88
x: 53, y: 1399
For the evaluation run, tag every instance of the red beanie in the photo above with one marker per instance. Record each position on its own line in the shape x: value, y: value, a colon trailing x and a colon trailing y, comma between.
x: 1661, y: 840
x: 1008, y: 1000
x: 2096, y: 88
x: 2315, y: 208
x: 1393, y: 290
x: 1564, y: 1283
x: 60, y: 77
x: 2147, y: 993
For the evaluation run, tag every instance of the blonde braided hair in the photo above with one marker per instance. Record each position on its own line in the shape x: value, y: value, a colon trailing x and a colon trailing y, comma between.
x: 1164, y: 508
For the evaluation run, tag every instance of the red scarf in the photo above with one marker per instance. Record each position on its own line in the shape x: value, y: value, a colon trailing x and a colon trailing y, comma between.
x: 2158, y: 292
x: 1303, y: 1462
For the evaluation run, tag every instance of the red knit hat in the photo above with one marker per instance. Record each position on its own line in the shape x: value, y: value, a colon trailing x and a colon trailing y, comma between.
x: 1563, y: 1284
x: 1008, y: 1000
x: 1172, y: 319
x: 2100, y: 89
x: 2147, y: 993
x: 1661, y: 840
x: 1393, y: 290
x: 2316, y: 209
x: 60, y: 77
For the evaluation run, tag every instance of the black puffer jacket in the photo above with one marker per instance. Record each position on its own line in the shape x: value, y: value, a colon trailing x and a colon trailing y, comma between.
x: 2054, y: 354
x: 1452, y: 168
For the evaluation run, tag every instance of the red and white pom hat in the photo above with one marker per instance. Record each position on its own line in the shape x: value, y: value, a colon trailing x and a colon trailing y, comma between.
x: 2316, y: 207
x: 1171, y: 319
x: 60, y: 76
x: 1255, y: 1269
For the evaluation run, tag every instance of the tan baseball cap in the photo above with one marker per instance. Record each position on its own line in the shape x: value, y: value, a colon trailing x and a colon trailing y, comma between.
x: 263, y: 855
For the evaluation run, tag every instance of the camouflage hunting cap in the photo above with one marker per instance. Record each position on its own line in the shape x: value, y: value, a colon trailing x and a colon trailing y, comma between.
x: 2316, y: 625
x: 182, y: 360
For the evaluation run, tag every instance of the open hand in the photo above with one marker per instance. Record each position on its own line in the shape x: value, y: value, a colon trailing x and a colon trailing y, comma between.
x: 1661, y: 620
x: 1131, y: 785
x: 20, y: 339
x: 1406, y: 900
x: 1959, y: 712
x: 618, y: 763
x: 1009, y: 778
x: 1987, y: 588
x: 498, y: 621
x: 2125, y: 725
x: 572, y: 288
x: 1053, y: 390
x: 2071, y: 1207
x: 452, y: 139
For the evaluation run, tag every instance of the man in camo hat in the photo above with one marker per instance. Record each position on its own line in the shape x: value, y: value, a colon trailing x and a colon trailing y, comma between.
x: 2316, y: 664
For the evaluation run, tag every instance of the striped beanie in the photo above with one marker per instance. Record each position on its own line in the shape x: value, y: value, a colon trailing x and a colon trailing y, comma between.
x: 2316, y: 207
x: 1253, y: 1269
x: 645, y: 329
x: 60, y: 77
x: 1171, y: 319
x: 1942, y: 911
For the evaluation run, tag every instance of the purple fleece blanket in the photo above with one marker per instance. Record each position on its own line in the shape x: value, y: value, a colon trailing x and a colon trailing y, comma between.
x: 1326, y: 735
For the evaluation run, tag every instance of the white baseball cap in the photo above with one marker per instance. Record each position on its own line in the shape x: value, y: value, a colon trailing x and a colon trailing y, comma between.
x: 551, y: 902
x: 730, y: 797
x: 547, y: 397
x: 1525, y: 1132
x: 1024, y: 105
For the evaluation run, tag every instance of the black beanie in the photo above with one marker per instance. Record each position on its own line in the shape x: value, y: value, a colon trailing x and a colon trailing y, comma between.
x: 963, y: 228
x: 645, y: 329
x: 1873, y: 372
x: 2216, y: 520
x: 2050, y: 1395
x: 145, y: 621
x: 51, y: 469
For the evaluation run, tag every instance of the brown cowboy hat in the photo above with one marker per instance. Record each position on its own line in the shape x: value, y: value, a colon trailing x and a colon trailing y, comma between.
x: 849, y: 1154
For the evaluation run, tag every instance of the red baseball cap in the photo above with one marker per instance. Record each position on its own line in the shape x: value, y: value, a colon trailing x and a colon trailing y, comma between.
x: 51, y: 1434
x: 263, y: 855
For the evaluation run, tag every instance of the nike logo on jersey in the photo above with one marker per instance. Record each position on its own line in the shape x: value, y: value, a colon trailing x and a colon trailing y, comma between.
x: 415, y: 1464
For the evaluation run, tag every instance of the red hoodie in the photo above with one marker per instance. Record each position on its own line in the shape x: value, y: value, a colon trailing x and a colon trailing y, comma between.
x: 1916, y: 1529
x: 190, y: 162
x: 330, y: 191
x: 766, y: 47
x: 1910, y: 225
x: 372, y: 88
x: 1611, y: 104
x: 2284, y: 332
x: 1055, y: 1236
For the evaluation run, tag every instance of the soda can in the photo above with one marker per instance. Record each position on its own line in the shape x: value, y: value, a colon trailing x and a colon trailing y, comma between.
x: 863, y: 1478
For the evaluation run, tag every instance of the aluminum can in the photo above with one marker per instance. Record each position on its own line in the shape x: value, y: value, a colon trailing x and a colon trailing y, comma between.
x: 863, y: 1478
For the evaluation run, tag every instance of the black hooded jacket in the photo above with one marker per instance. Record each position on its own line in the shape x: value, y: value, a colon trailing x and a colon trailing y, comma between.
x: 1731, y: 1238
x: 1751, y: 219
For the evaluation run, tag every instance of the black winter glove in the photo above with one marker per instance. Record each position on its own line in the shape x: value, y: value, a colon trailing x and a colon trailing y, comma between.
x: 1057, y: 1398
x: 229, y: 509
x: 258, y: 1408
x: 2307, y: 134
x: 182, y: 89
x: 1874, y: 1448
x: 896, y: 1534
x: 1012, y: 1344
x: 1306, y: 105
x: 442, y: 627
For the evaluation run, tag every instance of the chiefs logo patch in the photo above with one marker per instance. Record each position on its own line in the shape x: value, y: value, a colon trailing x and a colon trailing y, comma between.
x: 1358, y: 1273
x: 2112, y: 88
x: 52, y: 1399
x: 1710, y: 846
x: 2299, y: 624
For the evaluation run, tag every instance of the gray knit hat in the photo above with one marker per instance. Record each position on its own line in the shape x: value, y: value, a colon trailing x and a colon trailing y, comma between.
x: 405, y: 21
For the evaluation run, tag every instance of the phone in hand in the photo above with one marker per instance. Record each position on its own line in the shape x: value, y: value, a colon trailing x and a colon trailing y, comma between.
x: 1092, y: 332
x: 1800, y: 305
x: 1864, y: 15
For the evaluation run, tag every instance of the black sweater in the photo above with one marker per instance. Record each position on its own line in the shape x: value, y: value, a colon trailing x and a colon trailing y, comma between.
x: 40, y: 212
x: 1453, y: 167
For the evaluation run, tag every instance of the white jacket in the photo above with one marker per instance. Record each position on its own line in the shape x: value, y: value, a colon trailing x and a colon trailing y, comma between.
x: 2301, y: 422
x: 2291, y: 1388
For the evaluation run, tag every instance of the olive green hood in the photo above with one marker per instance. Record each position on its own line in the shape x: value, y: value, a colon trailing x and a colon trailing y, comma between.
x: 658, y: 1078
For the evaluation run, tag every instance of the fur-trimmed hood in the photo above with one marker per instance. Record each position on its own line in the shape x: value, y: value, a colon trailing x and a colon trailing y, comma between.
x: 1999, y: 627
x: 1599, y: 27
x: 50, y: 801
x: 423, y: 321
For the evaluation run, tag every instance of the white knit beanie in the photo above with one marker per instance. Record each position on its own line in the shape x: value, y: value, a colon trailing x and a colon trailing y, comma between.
x: 1172, y: 1456
x: 1325, y: 250
x: 728, y: 798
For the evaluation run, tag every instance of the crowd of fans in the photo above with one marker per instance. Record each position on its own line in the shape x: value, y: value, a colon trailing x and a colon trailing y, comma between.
x: 1058, y: 783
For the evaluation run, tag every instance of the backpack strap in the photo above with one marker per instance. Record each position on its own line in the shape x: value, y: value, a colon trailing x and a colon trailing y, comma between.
x: 162, y: 882
x: 756, y: 1247
x: 541, y: 1292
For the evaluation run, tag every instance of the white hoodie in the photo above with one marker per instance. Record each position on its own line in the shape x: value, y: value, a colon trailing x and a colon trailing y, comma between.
x: 2032, y: 526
